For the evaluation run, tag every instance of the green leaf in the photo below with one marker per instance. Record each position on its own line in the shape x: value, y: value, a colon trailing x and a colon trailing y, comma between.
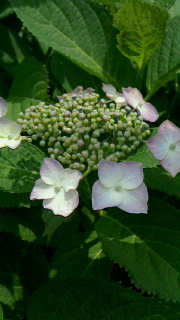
x: 148, y: 246
x: 12, y: 200
x: 162, y: 3
x: 6, y: 296
x: 19, y: 168
x: 175, y: 10
x: 71, y: 76
x: 66, y: 26
x: 166, y: 60
x: 161, y: 180
x: 142, y: 28
x: 31, y: 81
x: 94, y: 299
x: 80, y: 256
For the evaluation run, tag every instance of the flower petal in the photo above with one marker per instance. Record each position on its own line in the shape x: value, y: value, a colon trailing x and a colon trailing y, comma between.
x: 63, y: 203
x: 108, y: 89
x: 104, y: 197
x: 70, y: 179
x: 170, y: 131
x: 12, y: 143
x: 51, y: 171
x: 132, y: 175
x: 148, y: 112
x: 135, y: 201
x: 9, y: 128
x: 133, y: 96
x: 158, y: 146
x: 172, y: 161
x: 110, y: 173
x: 3, y: 107
x: 42, y: 191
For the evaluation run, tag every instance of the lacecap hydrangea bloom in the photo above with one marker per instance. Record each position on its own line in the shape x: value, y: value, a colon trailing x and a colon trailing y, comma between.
x: 120, y: 185
x: 82, y: 129
x: 9, y: 130
x: 165, y: 146
x: 57, y: 188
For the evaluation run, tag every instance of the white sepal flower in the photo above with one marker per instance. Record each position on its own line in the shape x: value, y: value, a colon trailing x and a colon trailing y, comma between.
x: 56, y: 188
x: 9, y: 134
x: 112, y: 94
x: 135, y: 99
x: 165, y: 146
x: 120, y: 185
x: 3, y: 107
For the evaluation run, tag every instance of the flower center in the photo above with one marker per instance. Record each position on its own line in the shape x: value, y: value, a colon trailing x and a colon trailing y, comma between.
x: 117, y: 188
x: 58, y: 187
x: 9, y: 137
x: 139, y: 105
x: 172, y: 146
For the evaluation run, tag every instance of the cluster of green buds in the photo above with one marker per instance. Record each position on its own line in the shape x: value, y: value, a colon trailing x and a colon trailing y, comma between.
x: 82, y: 129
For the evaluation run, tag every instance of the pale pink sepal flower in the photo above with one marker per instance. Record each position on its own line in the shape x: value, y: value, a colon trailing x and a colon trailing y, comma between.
x: 3, y: 107
x: 112, y: 94
x: 165, y: 146
x: 135, y: 99
x: 76, y: 92
x: 56, y: 188
x: 120, y: 185
x: 9, y: 134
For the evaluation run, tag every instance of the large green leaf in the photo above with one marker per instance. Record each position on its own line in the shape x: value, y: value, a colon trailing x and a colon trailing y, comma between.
x: 142, y: 28
x: 161, y: 180
x: 31, y: 81
x: 81, y: 256
x: 166, y: 60
x: 19, y: 168
x: 175, y: 10
x: 80, y: 30
x: 89, y: 299
x: 148, y: 246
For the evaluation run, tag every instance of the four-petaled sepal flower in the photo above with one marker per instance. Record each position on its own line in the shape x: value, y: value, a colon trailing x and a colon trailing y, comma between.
x: 165, y: 146
x: 56, y: 188
x: 135, y: 99
x: 112, y: 94
x: 9, y: 134
x: 120, y: 185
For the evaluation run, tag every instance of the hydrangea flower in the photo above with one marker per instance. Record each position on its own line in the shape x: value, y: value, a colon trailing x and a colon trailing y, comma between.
x: 165, y: 146
x: 9, y: 134
x: 113, y: 94
x: 120, y: 185
x: 56, y: 188
x: 77, y: 92
x: 135, y: 99
x: 3, y: 107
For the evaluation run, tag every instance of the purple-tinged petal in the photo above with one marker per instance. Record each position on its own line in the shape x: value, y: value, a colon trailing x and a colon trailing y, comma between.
x: 42, y: 191
x: 70, y: 179
x: 109, y: 89
x: 172, y: 161
x: 3, y: 107
x: 104, y: 197
x: 148, y: 112
x: 133, y: 96
x: 132, y: 175
x: 158, y: 146
x: 135, y: 201
x: 109, y: 173
x: 63, y: 203
x: 51, y: 171
x: 170, y: 131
